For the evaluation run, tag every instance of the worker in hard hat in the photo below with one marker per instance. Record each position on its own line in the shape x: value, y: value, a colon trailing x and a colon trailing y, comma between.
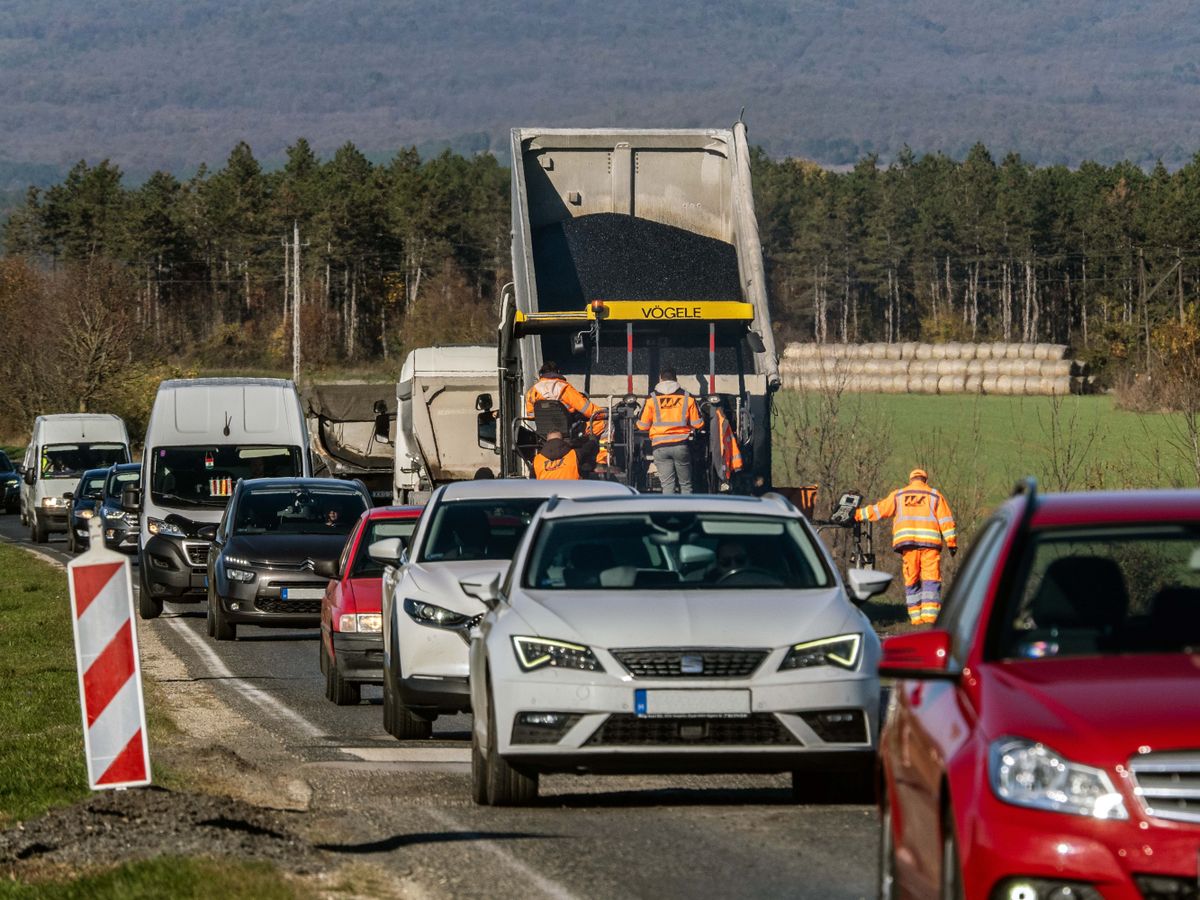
x: 551, y: 385
x: 923, y: 523
x: 556, y: 460
x: 670, y: 416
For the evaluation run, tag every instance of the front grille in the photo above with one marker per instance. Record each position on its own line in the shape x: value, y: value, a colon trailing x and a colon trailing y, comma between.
x: 700, y: 662
x: 1169, y: 784
x: 753, y: 730
x: 301, y: 607
x: 1166, y: 887
x: 197, y: 554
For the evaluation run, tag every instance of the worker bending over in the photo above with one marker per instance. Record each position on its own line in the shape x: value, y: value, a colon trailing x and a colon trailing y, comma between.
x: 923, y: 521
x: 670, y: 416
x: 556, y: 460
x: 551, y: 385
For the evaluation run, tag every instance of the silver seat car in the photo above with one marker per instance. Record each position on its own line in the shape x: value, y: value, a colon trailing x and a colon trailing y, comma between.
x: 673, y: 634
x: 469, y: 530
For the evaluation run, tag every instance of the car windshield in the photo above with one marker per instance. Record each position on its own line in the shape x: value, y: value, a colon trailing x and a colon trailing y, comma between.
x: 205, y: 475
x: 118, y: 481
x: 295, y: 509
x: 1106, y: 591
x: 478, y: 529
x: 92, y: 488
x: 675, y: 551
x: 64, y: 460
x: 5, y: 463
x: 379, y: 530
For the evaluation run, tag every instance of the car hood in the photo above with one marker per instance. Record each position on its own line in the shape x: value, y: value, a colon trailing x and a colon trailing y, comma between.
x: 288, y: 549
x: 1095, y: 709
x: 740, y: 618
x: 438, y: 581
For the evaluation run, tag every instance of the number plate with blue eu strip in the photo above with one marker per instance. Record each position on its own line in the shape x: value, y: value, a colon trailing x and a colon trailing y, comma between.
x: 301, y: 593
x: 700, y: 703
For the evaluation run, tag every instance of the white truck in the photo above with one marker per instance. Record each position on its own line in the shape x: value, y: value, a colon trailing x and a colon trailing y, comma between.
x: 203, y: 436
x: 351, y: 426
x: 436, y: 403
x: 60, y: 449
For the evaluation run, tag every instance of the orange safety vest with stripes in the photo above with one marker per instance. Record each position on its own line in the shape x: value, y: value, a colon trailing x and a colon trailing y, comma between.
x: 558, y: 388
x: 923, y: 517
x: 565, y: 468
x: 731, y: 453
x: 670, y: 418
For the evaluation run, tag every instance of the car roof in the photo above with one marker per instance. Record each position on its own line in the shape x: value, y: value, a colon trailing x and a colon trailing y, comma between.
x: 660, y: 503
x: 1115, y: 507
x: 125, y: 467
x: 95, y: 473
x: 507, y: 488
x: 250, y: 483
x: 394, y: 512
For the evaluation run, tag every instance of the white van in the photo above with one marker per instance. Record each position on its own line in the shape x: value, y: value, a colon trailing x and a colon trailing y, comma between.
x: 60, y: 449
x: 204, y: 435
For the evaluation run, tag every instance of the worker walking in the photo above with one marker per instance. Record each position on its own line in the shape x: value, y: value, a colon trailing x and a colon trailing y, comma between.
x: 923, y: 522
x: 556, y: 460
x: 670, y: 416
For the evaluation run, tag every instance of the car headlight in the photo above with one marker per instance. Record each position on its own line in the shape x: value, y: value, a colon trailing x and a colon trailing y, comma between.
x: 437, y: 617
x: 370, y: 623
x: 841, y: 651
x: 537, y: 653
x: 167, y: 529
x: 86, y: 513
x: 1027, y: 773
x: 10, y: 480
x: 240, y: 575
x: 53, y: 502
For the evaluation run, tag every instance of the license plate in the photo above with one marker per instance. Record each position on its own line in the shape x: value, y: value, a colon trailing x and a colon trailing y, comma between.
x: 647, y: 703
x: 301, y: 593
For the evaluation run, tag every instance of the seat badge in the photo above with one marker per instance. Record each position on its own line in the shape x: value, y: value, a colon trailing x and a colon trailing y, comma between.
x: 691, y: 664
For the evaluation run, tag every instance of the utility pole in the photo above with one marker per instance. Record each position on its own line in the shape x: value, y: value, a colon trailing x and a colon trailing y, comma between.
x: 295, y: 301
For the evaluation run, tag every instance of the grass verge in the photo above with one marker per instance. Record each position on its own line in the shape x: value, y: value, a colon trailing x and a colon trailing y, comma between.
x: 175, y: 877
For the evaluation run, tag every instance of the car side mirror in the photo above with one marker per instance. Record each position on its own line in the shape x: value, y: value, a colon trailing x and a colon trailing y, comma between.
x: 483, y: 588
x: 131, y: 499
x: 326, y: 568
x: 207, y: 532
x: 921, y: 654
x: 30, y: 476
x: 485, y: 429
x: 754, y: 339
x: 483, y: 403
x: 382, y: 426
x: 387, y: 552
x: 867, y: 583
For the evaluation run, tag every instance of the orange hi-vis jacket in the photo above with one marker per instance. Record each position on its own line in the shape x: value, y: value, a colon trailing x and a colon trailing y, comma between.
x: 565, y: 468
x: 561, y: 390
x: 730, y: 452
x: 670, y: 418
x: 923, y: 517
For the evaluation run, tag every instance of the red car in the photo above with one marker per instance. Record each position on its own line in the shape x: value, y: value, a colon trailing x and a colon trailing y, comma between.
x: 351, y: 639
x: 1043, y: 740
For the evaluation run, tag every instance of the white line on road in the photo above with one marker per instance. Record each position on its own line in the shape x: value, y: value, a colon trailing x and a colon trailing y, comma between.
x: 541, y: 882
x: 272, y: 706
x: 410, y: 754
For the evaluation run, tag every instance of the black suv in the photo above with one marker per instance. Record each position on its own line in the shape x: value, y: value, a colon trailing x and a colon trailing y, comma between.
x: 85, y: 502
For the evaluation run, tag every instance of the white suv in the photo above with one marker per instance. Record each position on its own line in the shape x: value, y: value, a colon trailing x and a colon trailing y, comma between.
x: 674, y: 633
x: 467, y: 532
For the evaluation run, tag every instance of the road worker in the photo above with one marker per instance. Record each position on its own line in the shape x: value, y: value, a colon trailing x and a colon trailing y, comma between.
x: 556, y: 460
x: 726, y: 454
x: 551, y: 385
x: 923, y: 522
x: 670, y: 416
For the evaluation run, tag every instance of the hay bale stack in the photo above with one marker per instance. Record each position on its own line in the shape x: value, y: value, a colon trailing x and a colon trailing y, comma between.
x: 983, y: 351
x: 989, y: 384
x: 952, y: 367
x: 973, y: 384
x: 923, y: 351
x: 976, y: 366
x: 1004, y: 384
x: 951, y: 384
x: 954, y: 350
x: 1057, y: 368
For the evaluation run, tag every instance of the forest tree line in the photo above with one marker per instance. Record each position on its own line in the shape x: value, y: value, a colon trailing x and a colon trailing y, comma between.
x: 411, y: 251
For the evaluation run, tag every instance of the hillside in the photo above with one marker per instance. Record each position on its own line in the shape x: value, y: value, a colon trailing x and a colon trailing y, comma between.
x: 169, y: 84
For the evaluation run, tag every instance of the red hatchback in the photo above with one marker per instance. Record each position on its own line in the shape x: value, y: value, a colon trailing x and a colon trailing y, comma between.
x: 1043, y: 740
x: 351, y: 639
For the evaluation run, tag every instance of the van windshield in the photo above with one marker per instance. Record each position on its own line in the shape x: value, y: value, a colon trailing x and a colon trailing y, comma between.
x: 205, y: 475
x: 66, y: 460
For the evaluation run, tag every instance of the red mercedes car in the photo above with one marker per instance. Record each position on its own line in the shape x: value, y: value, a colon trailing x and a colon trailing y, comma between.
x: 1043, y: 740
x: 351, y: 639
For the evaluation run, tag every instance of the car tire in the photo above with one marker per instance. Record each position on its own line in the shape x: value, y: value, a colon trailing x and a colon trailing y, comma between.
x: 149, y: 607
x: 209, y: 623
x: 401, y: 722
x: 505, y: 785
x: 223, y: 629
x: 478, y: 771
x: 951, y: 874
x: 337, y: 688
x: 37, y: 533
x: 855, y: 786
x: 887, y: 850
x: 71, y: 547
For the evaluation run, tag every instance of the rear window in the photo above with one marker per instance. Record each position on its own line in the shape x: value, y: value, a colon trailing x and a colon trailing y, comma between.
x: 1105, y: 591
x: 380, y: 530
x: 675, y: 551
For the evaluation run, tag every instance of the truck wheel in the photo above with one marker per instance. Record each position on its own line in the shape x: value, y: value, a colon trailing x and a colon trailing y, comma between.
x: 400, y: 722
x: 149, y: 607
x: 223, y: 629
x: 505, y: 785
x: 37, y: 533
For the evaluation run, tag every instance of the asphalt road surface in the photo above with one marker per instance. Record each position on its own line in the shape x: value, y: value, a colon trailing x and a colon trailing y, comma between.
x: 405, y: 806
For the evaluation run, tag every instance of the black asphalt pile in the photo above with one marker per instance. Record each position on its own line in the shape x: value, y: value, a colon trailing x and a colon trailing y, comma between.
x: 119, y: 826
x: 609, y: 256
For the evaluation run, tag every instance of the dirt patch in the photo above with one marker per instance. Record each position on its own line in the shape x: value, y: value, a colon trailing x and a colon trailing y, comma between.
x: 119, y: 826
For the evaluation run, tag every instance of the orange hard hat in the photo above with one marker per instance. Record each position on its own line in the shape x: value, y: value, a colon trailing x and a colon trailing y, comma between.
x: 918, y: 473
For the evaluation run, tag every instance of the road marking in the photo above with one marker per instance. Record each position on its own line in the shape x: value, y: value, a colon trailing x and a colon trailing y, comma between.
x: 547, y: 886
x: 272, y: 706
x: 410, y: 754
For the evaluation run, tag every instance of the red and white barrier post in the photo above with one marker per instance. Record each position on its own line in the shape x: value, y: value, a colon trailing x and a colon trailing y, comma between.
x: 110, y: 675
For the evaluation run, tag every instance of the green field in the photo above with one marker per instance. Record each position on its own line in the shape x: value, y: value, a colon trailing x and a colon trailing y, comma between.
x: 976, y: 447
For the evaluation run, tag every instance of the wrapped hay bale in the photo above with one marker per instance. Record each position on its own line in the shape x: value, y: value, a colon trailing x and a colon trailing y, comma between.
x: 929, y: 384
x: 973, y: 384
x: 1033, y: 367
x: 1027, y: 351
x: 988, y: 385
x: 1004, y: 384
x: 1019, y: 385
x: 1056, y: 368
x: 952, y: 367
x: 937, y: 351
x: 879, y: 351
x: 983, y: 351
x: 950, y: 384
x: 923, y: 351
x: 1051, y: 351
x: 893, y: 351
x: 908, y: 350
x: 953, y: 350
x: 1056, y: 385
x: 975, y: 366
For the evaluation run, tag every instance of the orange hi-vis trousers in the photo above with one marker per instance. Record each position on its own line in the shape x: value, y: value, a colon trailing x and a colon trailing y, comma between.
x: 922, y: 584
